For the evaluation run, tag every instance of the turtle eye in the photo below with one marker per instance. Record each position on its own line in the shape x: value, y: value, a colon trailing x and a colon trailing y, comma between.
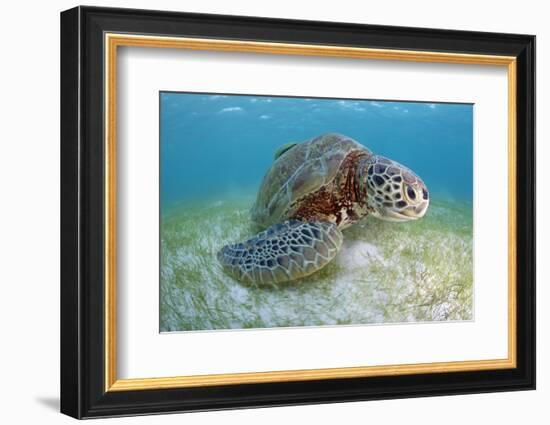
x: 411, y: 194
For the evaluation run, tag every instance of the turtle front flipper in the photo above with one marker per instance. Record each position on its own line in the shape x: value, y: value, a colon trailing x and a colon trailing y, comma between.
x: 283, y: 252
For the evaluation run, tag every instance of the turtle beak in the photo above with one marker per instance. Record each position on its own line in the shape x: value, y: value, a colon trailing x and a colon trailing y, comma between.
x: 407, y: 214
x: 395, y: 216
x: 417, y: 211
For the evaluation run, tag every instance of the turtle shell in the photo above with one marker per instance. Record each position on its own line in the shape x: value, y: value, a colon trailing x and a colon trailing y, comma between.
x: 301, y: 170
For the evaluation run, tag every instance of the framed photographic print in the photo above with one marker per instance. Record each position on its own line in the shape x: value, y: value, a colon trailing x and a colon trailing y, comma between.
x: 261, y: 212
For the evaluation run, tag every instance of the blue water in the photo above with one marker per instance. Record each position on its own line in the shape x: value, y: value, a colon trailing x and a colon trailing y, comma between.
x: 222, y: 145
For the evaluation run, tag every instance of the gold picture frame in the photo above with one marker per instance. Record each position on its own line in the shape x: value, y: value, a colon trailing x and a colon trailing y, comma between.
x: 104, y: 39
x: 114, y: 41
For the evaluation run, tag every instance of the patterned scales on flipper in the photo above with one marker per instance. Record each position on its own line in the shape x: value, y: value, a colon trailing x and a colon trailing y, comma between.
x: 284, y: 252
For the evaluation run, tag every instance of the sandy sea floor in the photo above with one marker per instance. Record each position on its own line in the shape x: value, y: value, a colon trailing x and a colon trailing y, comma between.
x: 386, y: 273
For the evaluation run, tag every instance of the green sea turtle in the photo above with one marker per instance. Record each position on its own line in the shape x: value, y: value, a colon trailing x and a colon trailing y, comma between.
x: 312, y: 191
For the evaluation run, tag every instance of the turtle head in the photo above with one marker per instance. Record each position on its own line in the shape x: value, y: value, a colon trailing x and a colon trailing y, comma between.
x: 394, y: 193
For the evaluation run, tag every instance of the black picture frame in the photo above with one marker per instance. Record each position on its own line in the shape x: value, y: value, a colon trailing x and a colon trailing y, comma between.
x: 83, y: 392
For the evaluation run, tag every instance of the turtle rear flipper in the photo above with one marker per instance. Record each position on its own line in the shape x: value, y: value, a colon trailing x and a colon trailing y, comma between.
x: 283, y: 252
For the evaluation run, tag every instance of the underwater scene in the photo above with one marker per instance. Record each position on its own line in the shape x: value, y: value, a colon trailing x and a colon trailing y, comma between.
x: 293, y: 211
